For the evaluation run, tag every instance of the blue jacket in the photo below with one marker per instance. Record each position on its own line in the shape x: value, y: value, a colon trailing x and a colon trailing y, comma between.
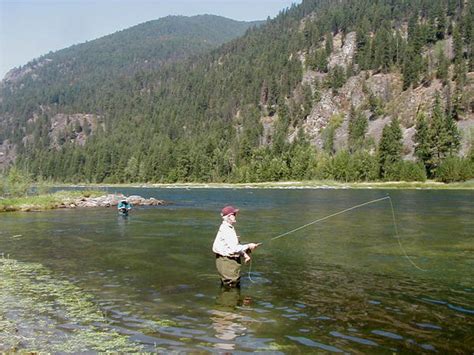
x: 125, y: 205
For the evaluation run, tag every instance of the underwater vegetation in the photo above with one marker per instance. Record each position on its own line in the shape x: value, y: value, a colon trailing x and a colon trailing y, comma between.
x: 39, y: 312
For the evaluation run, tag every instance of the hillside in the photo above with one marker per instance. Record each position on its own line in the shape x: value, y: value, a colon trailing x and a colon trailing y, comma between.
x: 322, y: 91
x: 81, y: 72
x: 143, y: 47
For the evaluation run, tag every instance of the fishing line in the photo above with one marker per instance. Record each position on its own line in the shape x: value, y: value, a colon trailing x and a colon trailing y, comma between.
x: 331, y: 215
x: 250, y: 270
x: 344, y: 211
x: 399, y: 240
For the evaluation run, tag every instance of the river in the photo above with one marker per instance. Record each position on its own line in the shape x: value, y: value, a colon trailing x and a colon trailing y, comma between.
x: 349, y: 283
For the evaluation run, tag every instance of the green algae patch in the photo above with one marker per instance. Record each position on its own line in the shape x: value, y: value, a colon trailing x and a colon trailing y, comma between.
x: 46, y: 201
x: 39, y: 312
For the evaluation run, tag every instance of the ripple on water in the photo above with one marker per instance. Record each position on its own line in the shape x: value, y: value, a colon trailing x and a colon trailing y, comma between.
x: 149, y: 340
x: 354, y: 339
x: 429, y: 300
x: 429, y: 326
x: 449, y: 305
x: 295, y: 316
x: 180, y: 332
x: 387, y: 334
x: 322, y: 318
x: 460, y: 309
x: 428, y: 347
x: 314, y: 344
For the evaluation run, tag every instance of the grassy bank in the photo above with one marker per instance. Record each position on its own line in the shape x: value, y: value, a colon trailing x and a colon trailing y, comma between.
x: 45, y: 201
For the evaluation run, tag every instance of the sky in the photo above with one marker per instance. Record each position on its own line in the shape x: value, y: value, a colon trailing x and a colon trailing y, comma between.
x: 31, y: 28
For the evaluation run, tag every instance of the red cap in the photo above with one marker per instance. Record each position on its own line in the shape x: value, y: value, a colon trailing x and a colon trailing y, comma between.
x: 229, y: 210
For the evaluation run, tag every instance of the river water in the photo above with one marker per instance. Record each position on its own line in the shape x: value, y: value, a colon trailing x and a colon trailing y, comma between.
x: 346, y: 284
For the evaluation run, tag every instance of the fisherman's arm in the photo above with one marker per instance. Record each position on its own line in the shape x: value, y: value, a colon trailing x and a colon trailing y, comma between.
x: 231, y: 241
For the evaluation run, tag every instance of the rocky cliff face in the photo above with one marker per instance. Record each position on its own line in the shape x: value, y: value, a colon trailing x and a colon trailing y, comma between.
x: 7, y: 153
x: 15, y: 75
x: 386, y: 89
x: 61, y: 128
x: 75, y: 128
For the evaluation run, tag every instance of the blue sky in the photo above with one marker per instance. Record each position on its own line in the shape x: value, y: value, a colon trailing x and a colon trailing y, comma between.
x: 31, y: 28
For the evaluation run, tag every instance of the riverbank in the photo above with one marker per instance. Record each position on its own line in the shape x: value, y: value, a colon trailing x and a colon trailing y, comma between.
x: 71, y: 199
x: 325, y: 184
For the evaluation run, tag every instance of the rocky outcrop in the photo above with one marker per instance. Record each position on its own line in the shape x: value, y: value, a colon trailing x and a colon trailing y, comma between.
x: 320, y: 116
x: 75, y: 128
x: 344, y: 50
x: 7, y: 154
x: 110, y: 200
x: 15, y: 75
x: 379, y: 96
x: 393, y: 101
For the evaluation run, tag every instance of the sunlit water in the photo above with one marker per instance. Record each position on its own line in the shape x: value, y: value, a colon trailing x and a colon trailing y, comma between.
x: 342, y: 285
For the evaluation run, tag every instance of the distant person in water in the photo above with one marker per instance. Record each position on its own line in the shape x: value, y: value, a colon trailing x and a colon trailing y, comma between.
x: 229, y: 252
x: 124, y: 206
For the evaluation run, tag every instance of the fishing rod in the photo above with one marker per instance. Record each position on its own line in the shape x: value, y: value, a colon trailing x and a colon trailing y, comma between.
x: 347, y: 210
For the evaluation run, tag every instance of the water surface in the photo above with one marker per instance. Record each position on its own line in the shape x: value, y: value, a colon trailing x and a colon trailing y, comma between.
x: 342, y: 285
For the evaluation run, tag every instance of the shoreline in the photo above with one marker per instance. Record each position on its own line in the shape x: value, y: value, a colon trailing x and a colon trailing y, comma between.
x: 428, y: 185
x: 86, y: 195
x: 72, y: 199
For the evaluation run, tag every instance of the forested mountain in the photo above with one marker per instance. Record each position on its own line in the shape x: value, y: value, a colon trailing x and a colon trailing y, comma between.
x: 87, y: 68
x: 349, y: 90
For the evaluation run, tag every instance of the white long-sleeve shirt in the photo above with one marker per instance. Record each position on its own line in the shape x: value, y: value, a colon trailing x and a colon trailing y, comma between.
x: 227, y: 241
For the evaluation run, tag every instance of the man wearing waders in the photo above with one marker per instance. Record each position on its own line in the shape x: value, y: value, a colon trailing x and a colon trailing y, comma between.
x: 228, y: 250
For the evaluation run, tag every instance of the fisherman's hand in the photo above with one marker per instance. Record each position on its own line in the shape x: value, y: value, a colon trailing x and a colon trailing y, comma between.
x: 252, y: 246
x: 246, y: 258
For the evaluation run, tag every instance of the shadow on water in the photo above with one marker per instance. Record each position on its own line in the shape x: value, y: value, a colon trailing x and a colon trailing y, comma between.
x: 342, y: 286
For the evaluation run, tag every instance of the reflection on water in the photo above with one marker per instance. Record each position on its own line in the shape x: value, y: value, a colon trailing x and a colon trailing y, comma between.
x: 226, y: 320
x: 339, y: 286
x: 122, y: 221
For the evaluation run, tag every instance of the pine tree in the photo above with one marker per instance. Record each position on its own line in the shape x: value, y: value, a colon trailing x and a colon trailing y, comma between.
x: 329, y: 44
x: 321, y: 60
x: 460, y: 68
x: 443, y: 135
x: 454, y: 137
x: 441, y: 27
x: 363, y: 44
x: 382, y: 55
x: 336, y: 78
x: 411, y: 68
x: 443, y: 67
x: 456, y: 104
x: 390, y: 149
x: 423, y: 140
x: 307, y: 103
x: 358, y: 125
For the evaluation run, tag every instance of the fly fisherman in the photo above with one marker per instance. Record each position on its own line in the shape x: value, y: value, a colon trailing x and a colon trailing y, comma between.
x: 124, y: 206
x: 228, y: 250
